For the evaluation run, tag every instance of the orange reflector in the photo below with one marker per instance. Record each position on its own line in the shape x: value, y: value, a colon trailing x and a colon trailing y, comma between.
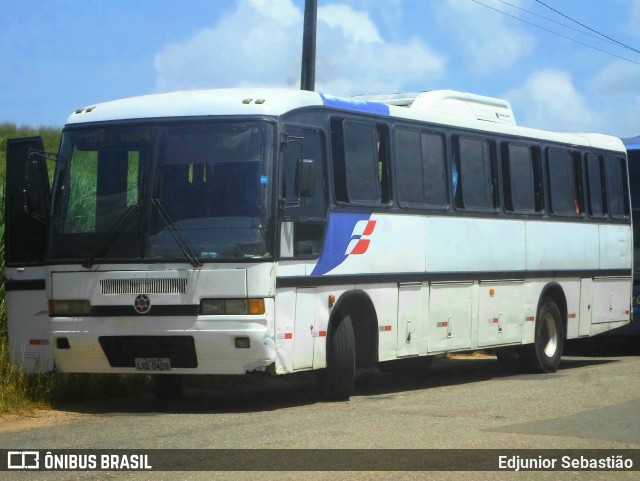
x: 572, y: 316
x: 323, y: 333
x: 256, y: 306
x: 496, y: 320
x: 492, y: 292
x: 34, y: 342
x: 332, y: 300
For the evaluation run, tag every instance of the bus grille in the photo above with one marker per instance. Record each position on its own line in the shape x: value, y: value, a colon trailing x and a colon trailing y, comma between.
x: 121, y: 351
x: 156, y: 310
x: 143, y: 286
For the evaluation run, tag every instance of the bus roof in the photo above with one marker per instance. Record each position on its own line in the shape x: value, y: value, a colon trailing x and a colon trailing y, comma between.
x: 445, y: 107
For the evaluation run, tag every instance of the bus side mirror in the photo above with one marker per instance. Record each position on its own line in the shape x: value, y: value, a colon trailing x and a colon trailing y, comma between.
x: 305, y: 178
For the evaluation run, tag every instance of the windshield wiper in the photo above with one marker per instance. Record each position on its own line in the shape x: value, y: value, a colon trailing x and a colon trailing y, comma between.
x: 175, y: 233
x: 112, y: 234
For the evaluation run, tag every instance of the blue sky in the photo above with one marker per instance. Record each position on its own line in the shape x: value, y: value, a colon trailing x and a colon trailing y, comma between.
x: 58, y: 55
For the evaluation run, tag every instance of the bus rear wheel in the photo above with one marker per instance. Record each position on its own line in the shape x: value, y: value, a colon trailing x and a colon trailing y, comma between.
x: 337, y: 379
x: 545, y: 353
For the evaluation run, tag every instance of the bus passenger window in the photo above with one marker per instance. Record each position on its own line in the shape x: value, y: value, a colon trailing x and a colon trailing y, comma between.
x: 617, y: 197
x: 594, y: 185
x: 577, y: 182
x: 519, y: 178
x: 476, y: 174
x: 564, y: 192
x: 420, y: 168
x: 361, y: 153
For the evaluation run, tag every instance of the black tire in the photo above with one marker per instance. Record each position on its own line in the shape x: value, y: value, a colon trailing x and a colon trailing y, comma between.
x: 167, y: 387
x: 337, y: 379
x: 545, y: 353
x: 407, y: 366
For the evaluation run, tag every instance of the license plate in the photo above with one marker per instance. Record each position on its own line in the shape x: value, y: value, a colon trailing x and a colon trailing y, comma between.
x: 153, y: 364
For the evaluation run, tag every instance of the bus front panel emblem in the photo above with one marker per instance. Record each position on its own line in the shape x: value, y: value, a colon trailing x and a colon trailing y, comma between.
x: 142, y: 304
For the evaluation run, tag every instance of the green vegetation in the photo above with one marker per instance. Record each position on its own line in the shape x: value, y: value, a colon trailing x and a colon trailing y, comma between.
x: 20, y: 392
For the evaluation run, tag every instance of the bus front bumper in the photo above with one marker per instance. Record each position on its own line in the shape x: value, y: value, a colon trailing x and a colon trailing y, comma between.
x: 202, y: 345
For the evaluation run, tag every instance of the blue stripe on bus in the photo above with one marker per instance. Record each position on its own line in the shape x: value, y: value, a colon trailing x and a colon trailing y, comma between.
x: 339, y: 234
x: 354, y: 104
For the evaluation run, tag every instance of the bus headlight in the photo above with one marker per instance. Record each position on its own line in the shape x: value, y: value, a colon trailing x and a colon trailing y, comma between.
x: 69, y: 308
x: 231, y: 307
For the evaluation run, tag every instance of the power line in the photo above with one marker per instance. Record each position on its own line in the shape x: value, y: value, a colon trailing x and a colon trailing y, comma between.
x: 587, y: 27
x: 599, y: 37
x: 556, y: 33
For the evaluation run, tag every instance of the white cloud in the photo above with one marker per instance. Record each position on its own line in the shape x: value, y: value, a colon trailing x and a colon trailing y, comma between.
x: 549, y: 101
x: 488, y: 41
x: 618, y: 78
x: 616, y: 88
x: 259, y: 43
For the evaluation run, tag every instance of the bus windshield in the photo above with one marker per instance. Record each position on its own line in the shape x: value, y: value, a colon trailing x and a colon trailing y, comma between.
x: 163, y: 192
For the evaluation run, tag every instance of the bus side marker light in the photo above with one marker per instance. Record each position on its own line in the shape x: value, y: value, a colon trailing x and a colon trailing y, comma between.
x: 384, y: 328
x: 443, y: 324
x: 492, y: 292
x: 332, y: 300
x: 286, y: 336
x: 572, y: 316
x: 531, y: 318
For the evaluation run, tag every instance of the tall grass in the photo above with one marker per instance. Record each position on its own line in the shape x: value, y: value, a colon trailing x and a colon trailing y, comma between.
x: 20, y: 392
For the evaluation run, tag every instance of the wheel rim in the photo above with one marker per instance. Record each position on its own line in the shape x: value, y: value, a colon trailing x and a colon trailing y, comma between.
x: 550, y: 334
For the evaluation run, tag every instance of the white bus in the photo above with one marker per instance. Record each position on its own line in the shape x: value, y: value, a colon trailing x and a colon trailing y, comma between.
x: 239, y: 230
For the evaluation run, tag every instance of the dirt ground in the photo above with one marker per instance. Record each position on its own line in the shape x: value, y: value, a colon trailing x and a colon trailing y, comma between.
x: 36, y: 419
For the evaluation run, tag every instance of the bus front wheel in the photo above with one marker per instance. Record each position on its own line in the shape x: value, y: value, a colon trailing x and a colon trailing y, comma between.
x: 336, y: 380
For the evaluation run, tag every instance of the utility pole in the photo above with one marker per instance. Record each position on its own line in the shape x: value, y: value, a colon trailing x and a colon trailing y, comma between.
x: 308, y: 74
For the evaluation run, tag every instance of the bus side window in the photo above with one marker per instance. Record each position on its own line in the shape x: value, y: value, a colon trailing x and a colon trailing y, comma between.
x: 617, y: 197
x: 519, y: 179
x: 594, y: 185
x: 476, y: 181
x: 361, y: 167
x: 420, y: 168
x: 565, y: 190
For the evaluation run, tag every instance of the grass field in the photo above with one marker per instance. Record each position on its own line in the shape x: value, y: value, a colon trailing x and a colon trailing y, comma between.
x: 22, y: 393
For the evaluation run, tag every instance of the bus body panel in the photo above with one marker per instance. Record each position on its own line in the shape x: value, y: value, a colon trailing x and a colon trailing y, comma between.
x: 458, y: 244
x: 27, y: 319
